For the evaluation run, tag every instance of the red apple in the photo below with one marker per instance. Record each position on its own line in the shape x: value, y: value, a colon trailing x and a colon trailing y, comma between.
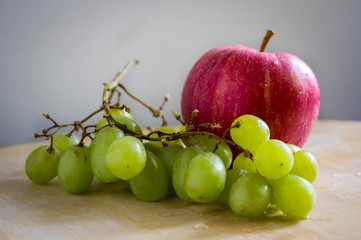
x: 230, y: 81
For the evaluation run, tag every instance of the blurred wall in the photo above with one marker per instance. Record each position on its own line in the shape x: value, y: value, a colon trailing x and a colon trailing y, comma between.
x: 55, y: 55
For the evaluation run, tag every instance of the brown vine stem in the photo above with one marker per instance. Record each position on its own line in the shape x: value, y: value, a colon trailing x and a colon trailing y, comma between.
x: 111, y: 86
x: 110, y: 89
x: 155, y: 112
x: 76, y: 125
x: 92, y: 114
x: 167, y: 137
x: 178, y: 117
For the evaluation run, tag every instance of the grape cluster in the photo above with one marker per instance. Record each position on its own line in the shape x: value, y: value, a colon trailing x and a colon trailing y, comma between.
x: 278, y: 175
x: 196, y: 166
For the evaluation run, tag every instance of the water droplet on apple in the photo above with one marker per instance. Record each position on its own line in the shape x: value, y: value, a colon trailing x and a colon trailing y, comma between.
x: 275, y: 63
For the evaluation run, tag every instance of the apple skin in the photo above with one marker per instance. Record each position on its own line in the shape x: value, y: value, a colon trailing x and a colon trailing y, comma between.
x: 230, y: 81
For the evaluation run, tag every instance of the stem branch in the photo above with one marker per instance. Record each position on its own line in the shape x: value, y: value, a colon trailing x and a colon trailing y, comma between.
x: 110, y: 87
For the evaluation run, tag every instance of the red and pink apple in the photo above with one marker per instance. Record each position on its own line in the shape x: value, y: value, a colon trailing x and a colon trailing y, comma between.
x: 230, y: 81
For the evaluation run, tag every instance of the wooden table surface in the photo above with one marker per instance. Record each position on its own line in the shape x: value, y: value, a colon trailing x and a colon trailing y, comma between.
x: 107, y: 211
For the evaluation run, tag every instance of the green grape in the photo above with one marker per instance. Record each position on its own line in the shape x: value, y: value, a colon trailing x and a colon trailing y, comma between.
x: 124, y: 183
x: 115, y: 111
x: 207, y: 143
x: 182, y: 159
x: 41, y: 165
x: 245, y: 163
x: 183, y: 129
x: 294, y: 196
x: 205, y: 177
x: 121, y: 116
x: 167, y: 156
x: 251, y: 133
x: 130, y: 124
x: 126, y: 157
x: 127, y: 122
x: 125, y: 113
x: 98, y: 149
x: 273, y: 159
x: 154, y: 148
x: 250, y: 195
x: 305, y: 165
x: 74, y: 171
x: 62, y: 141
x: 231, y: 176
x: 152, y: 183
x: 166, y: 130
x: 294, y: 148
x: 101, y: 123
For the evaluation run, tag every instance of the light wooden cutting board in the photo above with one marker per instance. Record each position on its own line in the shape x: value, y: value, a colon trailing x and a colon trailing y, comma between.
x: 30, y: 211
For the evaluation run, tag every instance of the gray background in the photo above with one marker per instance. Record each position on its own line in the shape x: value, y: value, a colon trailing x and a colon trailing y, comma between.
x: 55, y: 55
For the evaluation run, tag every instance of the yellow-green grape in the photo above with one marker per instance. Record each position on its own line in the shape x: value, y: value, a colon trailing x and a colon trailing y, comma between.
x: 205, y: 177
x: 126, y: 122
x: 166, y: 130
x: 62, y: 141
x: 98, y: 149
x: 231, y: 176
x: 294, y: 196
x: 250, y: 195
x: 101, y: 123
x: 294, y: 148
x: 41, y: 165
x: 182, y: 159
x: 131, y: 124
x: 273, y: 159
x: 305, y: 165
x: 124, y: 183
x: 117, y: 114
x: 74, y: 171
x: 126, y: 113
x: 251, y: 132
x: 183, y: 129
x: 154, y: 148
x: 151, y: 184
x: 244, y: 163
x: 167, y: 156
x: 126, y: 157
x: 207, y: 143
x: 120, y: 112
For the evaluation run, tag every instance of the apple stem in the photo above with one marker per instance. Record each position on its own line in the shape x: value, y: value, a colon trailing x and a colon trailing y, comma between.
x: 266, y: 39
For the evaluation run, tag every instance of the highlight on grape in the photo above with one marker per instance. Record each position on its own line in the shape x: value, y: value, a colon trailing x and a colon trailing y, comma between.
x: 248, y: 172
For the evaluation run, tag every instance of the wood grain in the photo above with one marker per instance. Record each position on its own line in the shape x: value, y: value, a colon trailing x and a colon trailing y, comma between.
x: 108, y: 211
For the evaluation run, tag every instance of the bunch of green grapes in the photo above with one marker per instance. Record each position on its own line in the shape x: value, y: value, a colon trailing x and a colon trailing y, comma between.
x: 196, y: 166
x: 41, y: 165
x: 268, y: 171
x: 75, y: 164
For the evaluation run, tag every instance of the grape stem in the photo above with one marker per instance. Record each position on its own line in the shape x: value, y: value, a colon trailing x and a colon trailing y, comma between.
x: 111, y: 86
x: 77, y: 125
x: 168, y: 137
x: 178, y: 117
x: 156, y: 112
x: 109, y: 90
